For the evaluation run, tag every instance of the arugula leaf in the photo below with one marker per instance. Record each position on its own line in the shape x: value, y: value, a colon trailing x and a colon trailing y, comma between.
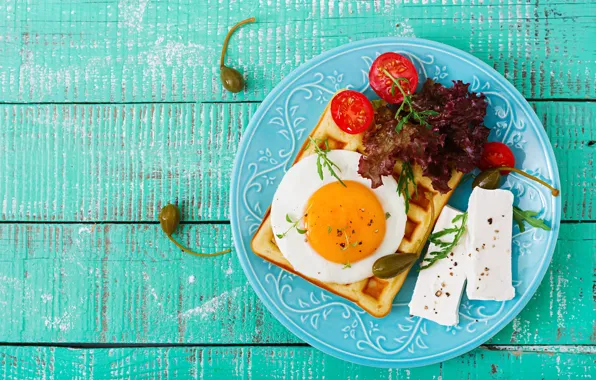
x: 324, y: 161
x: 407, y: 101
x: 406, y: 177
x: 446, y: 247
x: 520, y: 216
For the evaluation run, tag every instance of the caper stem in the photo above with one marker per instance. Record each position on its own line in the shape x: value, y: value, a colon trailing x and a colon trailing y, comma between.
x: 554, y: 191
x: 183, y: 248
x: 225, y: 44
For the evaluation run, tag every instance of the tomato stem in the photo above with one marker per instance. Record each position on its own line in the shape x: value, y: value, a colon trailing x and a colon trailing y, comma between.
x: 554, y: 191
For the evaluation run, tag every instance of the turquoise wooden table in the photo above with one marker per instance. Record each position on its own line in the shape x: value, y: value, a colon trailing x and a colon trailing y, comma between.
x: 111, y: 109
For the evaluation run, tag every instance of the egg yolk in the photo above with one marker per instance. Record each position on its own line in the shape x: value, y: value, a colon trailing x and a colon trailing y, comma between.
x: 344, y: 224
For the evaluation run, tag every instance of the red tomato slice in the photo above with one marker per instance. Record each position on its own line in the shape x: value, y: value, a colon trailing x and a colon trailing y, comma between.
x: 496, y: 154
x: 399, y: 67
x: 352, y: 111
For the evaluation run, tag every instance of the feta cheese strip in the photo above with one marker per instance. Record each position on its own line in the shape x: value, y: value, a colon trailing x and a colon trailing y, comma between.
x: 439, y: 288
x: 488, y: 267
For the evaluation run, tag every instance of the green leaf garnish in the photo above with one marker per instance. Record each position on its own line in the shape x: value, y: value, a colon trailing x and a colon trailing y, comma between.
x: 520, y: 216
x: 294, y: 225
x: 387, y: 215
x: 421, y: 116
x: 324, y: 161
x: 347, y: 265
x: 445, y: 247
x: 406, y: 177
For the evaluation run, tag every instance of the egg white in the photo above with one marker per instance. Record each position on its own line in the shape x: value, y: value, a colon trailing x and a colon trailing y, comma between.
x: 291, y: 197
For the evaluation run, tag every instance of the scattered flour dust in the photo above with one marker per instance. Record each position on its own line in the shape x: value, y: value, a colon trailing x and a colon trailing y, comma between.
x: 404, y: 29
x: 131, y: 13
x: 175, y: 53
x: 212, y: 305
x: 191, y: 279
x: 63, y: 322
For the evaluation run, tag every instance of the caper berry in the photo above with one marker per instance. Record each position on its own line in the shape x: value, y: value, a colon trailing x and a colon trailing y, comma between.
x: 231, y: 78
x: 391, y: 265
x: 507, y: 169
x: 488, y: 179
x: 169, y: 218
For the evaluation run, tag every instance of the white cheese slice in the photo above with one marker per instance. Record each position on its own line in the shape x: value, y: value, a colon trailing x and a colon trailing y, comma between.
x: 488, y: 267
x: 439, y: 288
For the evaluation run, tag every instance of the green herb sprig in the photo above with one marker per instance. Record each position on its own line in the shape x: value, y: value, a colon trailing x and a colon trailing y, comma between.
x: 520, y: 216
x: 347, y: 265
x: 406, y: 177
x: 294, y: 225
x: 445, y: 247
x: 322, y: 160
x: 407, y: 101
x: 347, y: 237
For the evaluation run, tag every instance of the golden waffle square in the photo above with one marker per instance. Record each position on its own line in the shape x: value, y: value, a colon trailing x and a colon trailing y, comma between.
x: 373, y: 294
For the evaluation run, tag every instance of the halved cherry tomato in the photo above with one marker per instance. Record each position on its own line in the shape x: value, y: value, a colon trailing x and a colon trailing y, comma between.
x: 496, y: 154
x: 399, y: 67
x: 352, y: 111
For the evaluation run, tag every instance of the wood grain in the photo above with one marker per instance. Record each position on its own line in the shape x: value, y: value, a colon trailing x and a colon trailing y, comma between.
x: 287, y: 363
x: 123, y: 162
x: 124, y: 283
x: 118, y: 162
x: 150, y: 51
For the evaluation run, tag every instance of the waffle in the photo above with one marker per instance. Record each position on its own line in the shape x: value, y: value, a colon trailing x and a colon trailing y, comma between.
x: 373, y: 294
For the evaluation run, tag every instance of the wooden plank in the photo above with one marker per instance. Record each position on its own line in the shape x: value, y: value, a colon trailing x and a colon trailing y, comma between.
x: 118, y: 162
x: 147, y: 51
x: 283, y: 363
x: 122, y: 162
x: 121, y: 283
x: 571, y: 128
x: 126, y: 283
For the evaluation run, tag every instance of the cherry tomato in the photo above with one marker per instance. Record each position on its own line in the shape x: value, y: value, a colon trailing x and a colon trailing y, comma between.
x: 352, y: 111
x: 399, y: 67
x: 494, y: 155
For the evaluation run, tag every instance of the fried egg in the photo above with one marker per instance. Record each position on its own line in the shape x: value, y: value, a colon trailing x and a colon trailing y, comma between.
x: 331, y: 232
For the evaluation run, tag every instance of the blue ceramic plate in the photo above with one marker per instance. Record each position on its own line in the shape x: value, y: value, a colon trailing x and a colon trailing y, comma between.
x: 330, y: 323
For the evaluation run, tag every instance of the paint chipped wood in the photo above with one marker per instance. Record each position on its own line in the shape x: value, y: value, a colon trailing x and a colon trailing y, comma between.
x: 126, y: 283
x: 150, y: 51
x: 277, y: 363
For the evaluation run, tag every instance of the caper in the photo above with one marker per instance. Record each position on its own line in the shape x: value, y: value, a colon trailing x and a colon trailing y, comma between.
x: 231, y: 78
x: 169, y: 219
x: 488, y: 179
x: 391, y: 265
